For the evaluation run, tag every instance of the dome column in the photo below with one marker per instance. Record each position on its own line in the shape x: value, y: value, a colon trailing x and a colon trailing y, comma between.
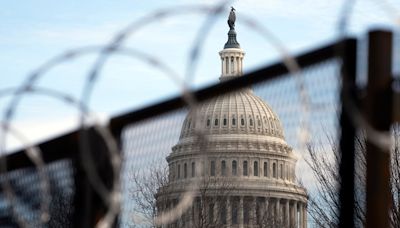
x: 253, y: 211
x: 301, y: 215
x: 241, y: 220
x: 228, y: 211
x: 304, y: 215
x: 217, y: 207
x: 295, y: 220
x: 287, y: 214
x: 277, y: 210
x: 266, y: 211
x: 292, y: 217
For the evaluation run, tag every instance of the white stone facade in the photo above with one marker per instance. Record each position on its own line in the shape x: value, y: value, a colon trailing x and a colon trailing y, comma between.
x: 233, y: 149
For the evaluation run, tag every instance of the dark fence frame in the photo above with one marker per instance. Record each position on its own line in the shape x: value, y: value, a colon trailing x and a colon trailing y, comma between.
x: 67, y: 146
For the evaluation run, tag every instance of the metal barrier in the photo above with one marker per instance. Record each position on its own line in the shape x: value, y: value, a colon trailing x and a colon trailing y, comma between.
x: 77, y: 203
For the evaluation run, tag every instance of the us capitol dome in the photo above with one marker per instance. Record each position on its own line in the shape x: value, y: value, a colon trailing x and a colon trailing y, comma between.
x: 233, y: 149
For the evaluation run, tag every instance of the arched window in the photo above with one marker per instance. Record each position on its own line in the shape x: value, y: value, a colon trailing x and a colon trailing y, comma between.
x: 259, y: 122
x: 234, y: 168
x: 212, y: 168
x: 185, y: 170
x: 265, y: 169
x: 223, y: 168
x: 245, y: 171
x: 208, y: 122
x: 233, y: 121
x: 179, y: 171
x: 225, y: 121
x: 255, y: 167
x: 242, y: 122
x: 251, y: 122
x: 216, y: 122
x: 193, y: 169
x: 274, y: 170
x: 281, y: 171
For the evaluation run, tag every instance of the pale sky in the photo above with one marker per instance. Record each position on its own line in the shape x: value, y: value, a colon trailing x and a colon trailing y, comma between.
x: 33, y: 32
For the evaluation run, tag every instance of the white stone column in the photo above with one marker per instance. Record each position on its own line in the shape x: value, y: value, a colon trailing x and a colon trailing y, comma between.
x: 216, y: 209
x: 287, y: 214
x: 228, y: 212
x: 191, y: 214
x: 301, y: 215
x: 291, y: 215
x: 239, y: 66
x: 228, y: 64
x: 295, y: 221
x: 222, y: 66
x: 241, y: 212
x: 277, y: 211
x: 266, y: 211
x: 305, y: 215
x: 253, y: 214
x: 195, y: 211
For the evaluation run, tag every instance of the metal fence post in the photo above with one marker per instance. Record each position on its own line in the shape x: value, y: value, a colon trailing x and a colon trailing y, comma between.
x: 378, y: 111
x: 348, y: 51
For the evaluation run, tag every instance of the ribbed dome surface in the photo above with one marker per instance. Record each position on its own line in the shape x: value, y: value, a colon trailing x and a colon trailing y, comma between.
x: 240, y: 112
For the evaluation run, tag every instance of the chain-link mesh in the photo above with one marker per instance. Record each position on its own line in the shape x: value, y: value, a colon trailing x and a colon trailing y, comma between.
x: 26, y: 185
x: 306, y: 104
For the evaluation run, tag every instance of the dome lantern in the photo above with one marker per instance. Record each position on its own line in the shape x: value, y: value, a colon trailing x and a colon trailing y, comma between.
x: 232, y: 55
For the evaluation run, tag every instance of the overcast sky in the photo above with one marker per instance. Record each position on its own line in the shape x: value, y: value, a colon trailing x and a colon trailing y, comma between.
x: 33, y: 32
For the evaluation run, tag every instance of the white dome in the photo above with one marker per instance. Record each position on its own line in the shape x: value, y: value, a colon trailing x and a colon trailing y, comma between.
x: 240, y: 112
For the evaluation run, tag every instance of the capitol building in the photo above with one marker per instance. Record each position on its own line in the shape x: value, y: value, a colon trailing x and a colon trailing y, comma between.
x: 232, y: 153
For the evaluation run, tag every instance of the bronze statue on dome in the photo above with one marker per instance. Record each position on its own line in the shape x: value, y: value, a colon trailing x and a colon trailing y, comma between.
x: 232, y: 18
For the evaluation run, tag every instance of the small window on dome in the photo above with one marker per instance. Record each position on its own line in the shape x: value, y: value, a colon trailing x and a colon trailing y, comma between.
x: 223, y: 168
x: 245, y: 171
x: 189, y: 124
x: 208, y: 122
x: 242, y: 122
x: 216, y: 122
x: 234, y: 168
x: 193, y: 169
x: 265, y: 169
x: 185, y: 170
x: 251, y: 122
x: 225, y: 121
x: 274, y: 170
x: 255, y: 167
x: 259, y: 122
x: 233, y: 121
x: 212, y: 168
